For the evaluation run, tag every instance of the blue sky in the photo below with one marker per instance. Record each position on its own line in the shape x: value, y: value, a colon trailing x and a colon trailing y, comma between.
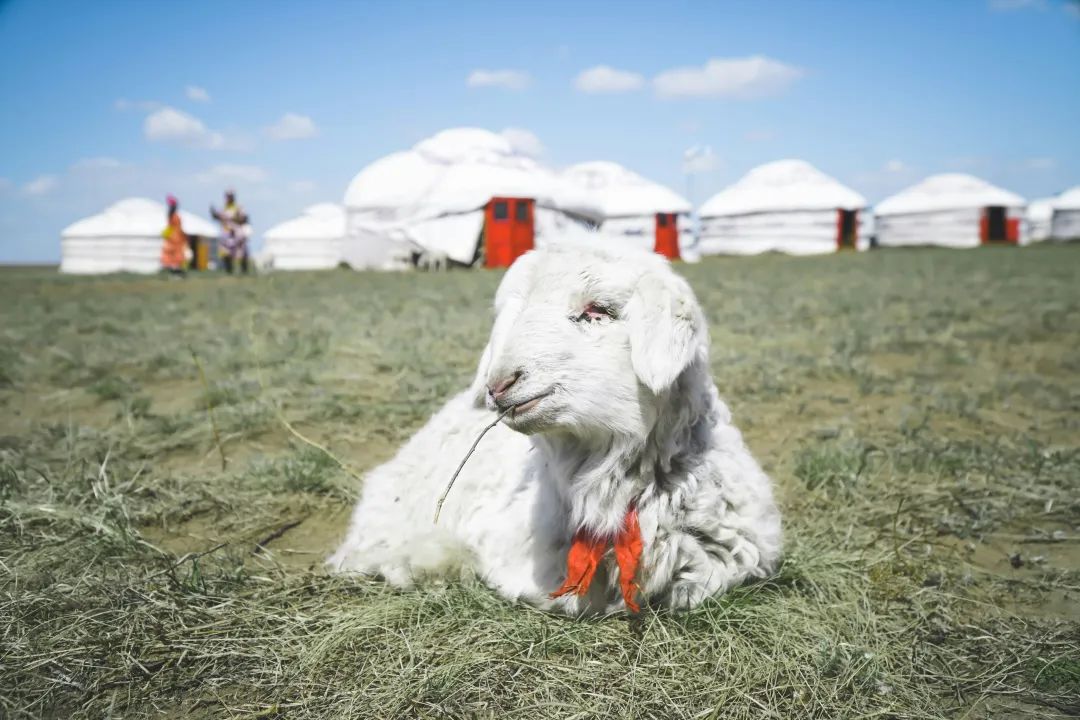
x: 287, y: 101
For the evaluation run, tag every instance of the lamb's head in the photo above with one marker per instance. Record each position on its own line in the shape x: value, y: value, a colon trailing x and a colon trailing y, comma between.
x: 590, y: 343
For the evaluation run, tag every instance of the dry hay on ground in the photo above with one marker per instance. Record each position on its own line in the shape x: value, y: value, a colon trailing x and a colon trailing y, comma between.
x: 918, y: 410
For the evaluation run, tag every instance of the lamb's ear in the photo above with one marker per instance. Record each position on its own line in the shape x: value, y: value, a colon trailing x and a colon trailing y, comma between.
x: 667, y: 330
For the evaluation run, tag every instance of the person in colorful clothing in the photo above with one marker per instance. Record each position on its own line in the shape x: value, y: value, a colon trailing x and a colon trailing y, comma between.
x: 173, y: 258
x: 234, y: 233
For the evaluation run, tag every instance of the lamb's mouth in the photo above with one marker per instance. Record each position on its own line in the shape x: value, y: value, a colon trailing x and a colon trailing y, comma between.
x: 528, y: 405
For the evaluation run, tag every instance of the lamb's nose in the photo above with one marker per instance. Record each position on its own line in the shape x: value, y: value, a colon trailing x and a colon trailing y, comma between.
x: 501, y: 386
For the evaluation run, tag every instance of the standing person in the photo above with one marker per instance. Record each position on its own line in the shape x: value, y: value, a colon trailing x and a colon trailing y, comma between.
x: 234, y: 232
x: 172, y: 250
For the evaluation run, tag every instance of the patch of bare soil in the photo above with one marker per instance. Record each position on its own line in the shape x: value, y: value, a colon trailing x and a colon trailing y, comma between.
x: 296, y: 534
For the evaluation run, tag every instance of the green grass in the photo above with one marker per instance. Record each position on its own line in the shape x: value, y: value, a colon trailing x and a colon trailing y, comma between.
x: 918, y: 411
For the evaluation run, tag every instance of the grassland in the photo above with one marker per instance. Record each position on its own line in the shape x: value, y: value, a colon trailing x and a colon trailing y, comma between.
x: 164, y: 509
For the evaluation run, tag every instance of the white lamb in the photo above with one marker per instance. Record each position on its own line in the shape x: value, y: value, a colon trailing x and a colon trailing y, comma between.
x: 616, y: 478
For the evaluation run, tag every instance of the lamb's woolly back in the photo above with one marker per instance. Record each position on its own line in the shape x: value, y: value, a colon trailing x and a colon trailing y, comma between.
x: 603, y: 353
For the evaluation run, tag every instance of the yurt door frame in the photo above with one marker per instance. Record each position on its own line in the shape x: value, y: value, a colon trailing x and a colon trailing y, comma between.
x: 200, y: 252
x: 996, y: 226
x: 509, y: 230
x: 847, y: 229
x: 667, y: 235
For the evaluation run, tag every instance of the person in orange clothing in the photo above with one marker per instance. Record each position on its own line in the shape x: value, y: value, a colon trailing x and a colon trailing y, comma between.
x: 172, y: 252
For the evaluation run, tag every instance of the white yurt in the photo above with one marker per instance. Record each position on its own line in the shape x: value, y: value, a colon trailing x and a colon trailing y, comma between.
x: 452, y: 191
x: 785, y: 206
x: 1065, y: 224
x: 126, y: 237
x: 311, y: 241
x: 1039, y: 214
x: 867, y: 227
x: 642, y: 212
x: 951, y: 210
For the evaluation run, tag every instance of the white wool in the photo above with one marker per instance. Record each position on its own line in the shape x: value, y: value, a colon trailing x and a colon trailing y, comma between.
x: 629, y: 414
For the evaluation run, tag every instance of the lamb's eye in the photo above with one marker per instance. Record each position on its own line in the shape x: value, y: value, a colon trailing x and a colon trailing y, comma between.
x: 594, y: 312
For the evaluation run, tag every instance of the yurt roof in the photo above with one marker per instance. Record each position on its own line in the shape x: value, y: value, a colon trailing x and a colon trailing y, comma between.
x: 950, y: 191
x: 1041, y: 209
x: 136, y: 217
x: 397, y: 180
x: 619, y: 192
x: 317, y: 222
x: 457, y: 170
x: 465, y: 144
x: 1068, y: 200
x: 784, y: 185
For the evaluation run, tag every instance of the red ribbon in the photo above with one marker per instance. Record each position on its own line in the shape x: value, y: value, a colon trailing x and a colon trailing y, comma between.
x: 585, y: 554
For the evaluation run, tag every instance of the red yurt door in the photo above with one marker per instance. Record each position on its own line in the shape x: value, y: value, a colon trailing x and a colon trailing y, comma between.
x: 522, y: 230
x: 847, y: 223
x: 667, y: 235
x: 996, y: 226
x: 508, y: 230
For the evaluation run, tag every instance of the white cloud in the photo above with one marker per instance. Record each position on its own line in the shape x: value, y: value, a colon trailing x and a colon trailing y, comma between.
x: 292, y: 127
x: 524, y: 141
x: 699, y: 159
x: 741, y: 78
x: 1041, y: 163
x: 176, y: 126
x: 507, y: 79
x: 895, y: 166
x: 606, y: 79
x: 302, y: 187
x: 5, y: 184
x: 42, y: 185
x: 227, y: 173
x: 197, y: 94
